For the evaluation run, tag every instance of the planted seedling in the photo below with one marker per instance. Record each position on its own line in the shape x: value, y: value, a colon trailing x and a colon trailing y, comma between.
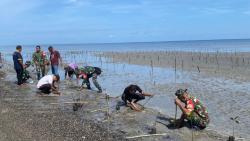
x: 235, y: 120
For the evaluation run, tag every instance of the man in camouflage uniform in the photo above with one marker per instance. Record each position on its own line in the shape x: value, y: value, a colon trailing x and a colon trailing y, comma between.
x: 40, y: 61
x: 87, y: 72
x: 193, y: 111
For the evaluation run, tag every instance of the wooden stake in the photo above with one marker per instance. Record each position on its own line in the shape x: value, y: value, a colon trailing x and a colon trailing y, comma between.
x: 140, y: 136
x: 69, y: 103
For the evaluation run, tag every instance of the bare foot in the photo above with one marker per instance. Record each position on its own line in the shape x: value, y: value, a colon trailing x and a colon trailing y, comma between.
x: 56, y: 92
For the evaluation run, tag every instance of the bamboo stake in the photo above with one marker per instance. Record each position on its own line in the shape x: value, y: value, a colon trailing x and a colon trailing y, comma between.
x: 103, y: 109
x: 146, y: 135
x: 175, y: 89
x: 69, y: 103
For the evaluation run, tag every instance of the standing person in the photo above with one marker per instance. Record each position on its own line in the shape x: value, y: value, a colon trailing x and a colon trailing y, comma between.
x: 47, y: 84
x: 132, y: 94
x: 40, y: 60
x: 18, y: 64
x: 1, y: 61
x: 54, y: 59
x: 192, y: 110
x: 87, y: 72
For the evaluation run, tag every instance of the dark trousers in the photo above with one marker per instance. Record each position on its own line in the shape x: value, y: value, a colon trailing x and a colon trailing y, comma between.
x: 45, y: 88
x: 130, y: 96
x: 19, y: 75
x: 94, y: 79
x: 86, y: 81
x: 40, y: 70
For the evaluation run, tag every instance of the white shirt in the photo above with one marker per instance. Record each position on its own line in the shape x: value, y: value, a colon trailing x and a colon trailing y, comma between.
x: 48, y: 79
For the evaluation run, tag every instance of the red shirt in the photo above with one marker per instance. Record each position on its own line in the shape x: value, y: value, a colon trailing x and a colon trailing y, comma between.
x: 54, y: 57
x: 190, y: 105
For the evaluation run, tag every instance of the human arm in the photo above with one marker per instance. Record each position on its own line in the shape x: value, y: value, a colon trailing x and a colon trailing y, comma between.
x: 60, y: 58
x: 20, y: 60
x: 66, y: 71
x: 140, y: 91
x: 45, y: 58
x: 34, y: 59
x: 147, y: 94
x: 55, y: 89
x: 186, y: 111
x: 77, y: 78
x: 137, y: 88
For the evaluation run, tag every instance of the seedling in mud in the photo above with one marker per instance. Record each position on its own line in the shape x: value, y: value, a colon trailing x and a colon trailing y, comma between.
x: 235, y: 120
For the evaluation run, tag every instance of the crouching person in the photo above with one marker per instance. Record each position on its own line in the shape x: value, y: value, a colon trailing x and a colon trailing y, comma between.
x: 132, y: 94
x: 47, y: 84
x: 192, y: 109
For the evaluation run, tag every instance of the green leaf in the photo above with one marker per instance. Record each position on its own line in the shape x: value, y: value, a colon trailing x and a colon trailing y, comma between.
x: 236, y: 117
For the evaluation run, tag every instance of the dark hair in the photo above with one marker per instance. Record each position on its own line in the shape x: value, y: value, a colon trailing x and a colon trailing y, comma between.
x: 38, y: 46
x: 57, y: 77
x: 50, y: 47
x: 18, y: 47
x: 180, y: 92
x: 98, y: 70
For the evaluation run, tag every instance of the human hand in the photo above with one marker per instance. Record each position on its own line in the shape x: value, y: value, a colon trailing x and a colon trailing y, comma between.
x: 177, y: 101
x: 57, y: 92
x: 128, y: 102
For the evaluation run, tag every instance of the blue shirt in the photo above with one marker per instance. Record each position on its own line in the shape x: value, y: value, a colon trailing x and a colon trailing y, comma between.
x: 16, y: 58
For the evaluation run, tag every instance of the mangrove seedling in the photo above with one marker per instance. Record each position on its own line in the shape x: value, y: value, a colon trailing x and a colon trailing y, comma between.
x: 235, y: 120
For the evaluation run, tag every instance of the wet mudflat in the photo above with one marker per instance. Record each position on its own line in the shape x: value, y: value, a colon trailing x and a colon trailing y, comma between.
x: 25, y: 115
x: 222, y: 85
x: 219, y: 79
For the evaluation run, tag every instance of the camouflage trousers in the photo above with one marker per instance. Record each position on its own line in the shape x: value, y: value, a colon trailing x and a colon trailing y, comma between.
x: 195, y: 120
x: 95, y: 82
x: 40, y: 71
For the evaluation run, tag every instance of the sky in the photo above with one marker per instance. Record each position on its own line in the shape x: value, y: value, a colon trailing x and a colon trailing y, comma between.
x: 99, y: 21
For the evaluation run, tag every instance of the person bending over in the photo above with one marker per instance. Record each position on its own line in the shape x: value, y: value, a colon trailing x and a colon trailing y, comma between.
x: 87, y: 72
x: 47, y: 84
x: 70, y: 70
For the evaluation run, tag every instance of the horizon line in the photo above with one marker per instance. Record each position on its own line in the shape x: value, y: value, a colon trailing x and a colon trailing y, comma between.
x: 52, y: 44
